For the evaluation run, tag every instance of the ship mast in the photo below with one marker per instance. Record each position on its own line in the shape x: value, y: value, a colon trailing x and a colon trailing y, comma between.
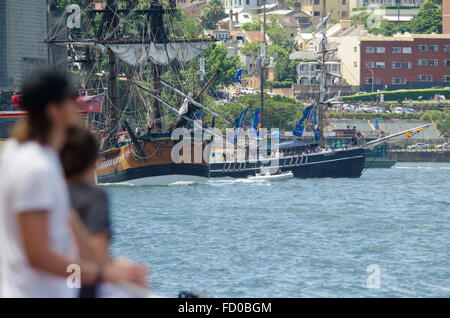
x: 323, y: 79
x: 157, y: 34
x: 262, y: 63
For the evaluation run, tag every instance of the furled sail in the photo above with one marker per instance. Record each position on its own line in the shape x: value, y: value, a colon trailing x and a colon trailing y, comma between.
x: 158, y: 53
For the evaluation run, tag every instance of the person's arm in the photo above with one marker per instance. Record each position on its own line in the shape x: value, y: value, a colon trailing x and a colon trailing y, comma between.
x: 34, y: 229
x: 88, y: 249
x: 98, y: 225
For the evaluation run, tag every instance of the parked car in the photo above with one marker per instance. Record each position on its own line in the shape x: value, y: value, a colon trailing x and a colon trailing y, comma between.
x: 443, y: 146
x: 419, y: 146
x: 398, y: 110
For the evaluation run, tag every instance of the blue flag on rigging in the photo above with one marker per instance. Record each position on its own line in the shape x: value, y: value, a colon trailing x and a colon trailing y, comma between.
x: 300, y: 127
x: 239, y: 124
x: 316, y: 126
x: 238, y: 75
x: 255, y: 121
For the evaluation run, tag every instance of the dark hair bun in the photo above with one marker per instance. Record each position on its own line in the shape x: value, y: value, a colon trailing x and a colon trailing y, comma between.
x: 42, y: 88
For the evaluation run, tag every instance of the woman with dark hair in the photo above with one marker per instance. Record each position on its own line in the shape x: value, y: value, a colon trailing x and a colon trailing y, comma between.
x: 42, y: 241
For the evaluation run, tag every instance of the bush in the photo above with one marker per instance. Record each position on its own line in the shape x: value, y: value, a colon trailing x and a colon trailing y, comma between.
x: 278, y: 84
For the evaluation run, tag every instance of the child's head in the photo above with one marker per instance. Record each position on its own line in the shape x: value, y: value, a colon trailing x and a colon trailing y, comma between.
x: 80, y: 153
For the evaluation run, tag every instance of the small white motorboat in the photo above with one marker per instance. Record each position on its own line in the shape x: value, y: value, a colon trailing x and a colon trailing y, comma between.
x: 273, y: 177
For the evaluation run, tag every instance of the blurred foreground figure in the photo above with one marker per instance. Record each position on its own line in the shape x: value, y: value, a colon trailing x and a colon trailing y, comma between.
x: 42, y: 242
x: 79, y: 158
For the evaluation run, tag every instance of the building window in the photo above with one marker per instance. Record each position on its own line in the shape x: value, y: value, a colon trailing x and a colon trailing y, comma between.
x: 381, y: 50
x: 433, y: 48
x: 398, y: 80
x: 317, y: 13
x: 378, y: 80
x: 355, y: 64
x: 380, y: 65
x: 369, y: 80
x: 446, y: 48
x: 433, y: 62
x: 446, y: 78
x: 316, y: 1
x: 355, y: 49
x: 396, y: 65
x: 370, y: 64
x: 423, y: 62
x: 446, y: 62
x: 247, y: 2
x: 344, y: 14
x: 407, y: 65
x: 370, y: 50
x: 344, y: 1
x: 396, y: 50
x: 407, y: 50
x: 423, y: 48
x: 423, y: 78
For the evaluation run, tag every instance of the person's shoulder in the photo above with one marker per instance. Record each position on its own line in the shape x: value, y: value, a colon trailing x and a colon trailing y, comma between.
x: 32, y: 156
x: 89, y: 190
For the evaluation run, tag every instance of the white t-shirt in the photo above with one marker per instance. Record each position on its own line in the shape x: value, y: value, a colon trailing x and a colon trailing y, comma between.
x: 31, y: 178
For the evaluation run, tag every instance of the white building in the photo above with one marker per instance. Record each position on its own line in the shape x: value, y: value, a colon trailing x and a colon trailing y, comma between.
x: 242, y: 6
x: 308, y: 68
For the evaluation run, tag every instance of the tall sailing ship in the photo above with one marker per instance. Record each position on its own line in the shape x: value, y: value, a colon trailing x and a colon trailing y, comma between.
x: 134, y: 44
x: 301, y: 158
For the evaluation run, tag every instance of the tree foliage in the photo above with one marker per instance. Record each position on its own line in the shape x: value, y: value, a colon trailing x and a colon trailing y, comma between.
x: 428, y: 20
x: 213, y: 14
x: 279, y: 112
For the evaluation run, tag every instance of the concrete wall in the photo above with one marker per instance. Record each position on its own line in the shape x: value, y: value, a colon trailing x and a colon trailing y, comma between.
x: 419, y: 156
x: 3, y: 56
x: 24, y: 28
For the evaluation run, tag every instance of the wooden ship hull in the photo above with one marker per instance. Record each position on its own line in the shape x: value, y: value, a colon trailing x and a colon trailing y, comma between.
x: 125, y: 165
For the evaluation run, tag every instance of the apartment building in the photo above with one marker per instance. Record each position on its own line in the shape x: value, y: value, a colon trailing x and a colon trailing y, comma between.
x: 318, y: 8
x: 242, y: 6
x: 446, y: 17
x: 408, y: 61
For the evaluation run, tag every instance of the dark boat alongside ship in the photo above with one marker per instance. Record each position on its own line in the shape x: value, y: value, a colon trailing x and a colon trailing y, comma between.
x: 346, y: 163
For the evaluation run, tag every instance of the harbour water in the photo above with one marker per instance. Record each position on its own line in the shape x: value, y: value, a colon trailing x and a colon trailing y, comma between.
x: 300, y: 238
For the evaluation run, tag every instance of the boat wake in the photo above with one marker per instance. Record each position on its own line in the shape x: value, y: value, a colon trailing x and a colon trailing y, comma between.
x: 183, y: 183
x: 221, y: 182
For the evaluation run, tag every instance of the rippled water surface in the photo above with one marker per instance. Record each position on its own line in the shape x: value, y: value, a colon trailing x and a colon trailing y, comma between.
x: 300, y: 238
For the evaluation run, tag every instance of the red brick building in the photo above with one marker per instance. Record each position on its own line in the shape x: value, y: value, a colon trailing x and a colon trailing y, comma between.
x: 446, y: 16
x: 410, y: 61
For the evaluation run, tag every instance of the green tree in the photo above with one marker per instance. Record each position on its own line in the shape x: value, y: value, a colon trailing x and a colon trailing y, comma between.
x: 428, y: 20
x: 255, y: 25
x: 251, y: 49
x: 213, y: 14
x: 216, y: 59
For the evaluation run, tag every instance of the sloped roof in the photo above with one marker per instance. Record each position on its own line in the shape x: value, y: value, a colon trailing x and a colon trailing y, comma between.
x: 303, y: 55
